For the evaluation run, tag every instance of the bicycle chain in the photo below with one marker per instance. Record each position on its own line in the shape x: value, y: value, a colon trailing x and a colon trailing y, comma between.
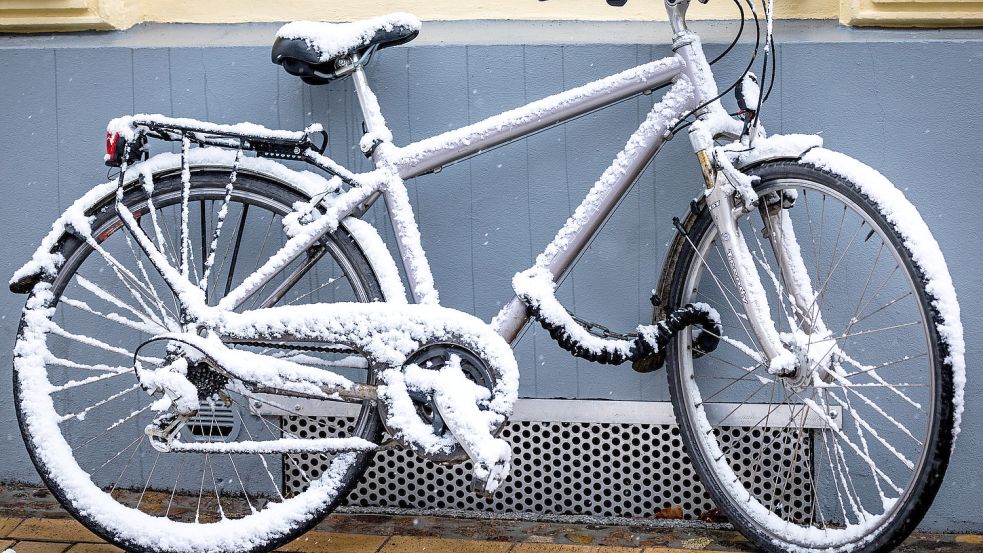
x: 600, y: 330
x: 285, y: 345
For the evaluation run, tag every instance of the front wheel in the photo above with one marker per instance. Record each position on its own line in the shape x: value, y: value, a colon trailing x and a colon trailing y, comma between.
x: 865, y: 425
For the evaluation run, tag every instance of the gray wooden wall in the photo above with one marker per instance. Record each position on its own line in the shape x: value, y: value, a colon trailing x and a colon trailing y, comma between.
x: 909, y: 106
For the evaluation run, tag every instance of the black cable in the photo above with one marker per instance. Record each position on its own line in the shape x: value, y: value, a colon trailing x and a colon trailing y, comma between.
x: 753, y: 123
x: 754, y: 55
x: 740, y: 31
x: 774, y: 66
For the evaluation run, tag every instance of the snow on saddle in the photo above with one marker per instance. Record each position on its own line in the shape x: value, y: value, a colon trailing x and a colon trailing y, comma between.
x: 318, y: 52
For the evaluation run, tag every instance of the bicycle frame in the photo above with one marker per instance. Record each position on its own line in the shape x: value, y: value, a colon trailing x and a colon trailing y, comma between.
x: 693, y: 90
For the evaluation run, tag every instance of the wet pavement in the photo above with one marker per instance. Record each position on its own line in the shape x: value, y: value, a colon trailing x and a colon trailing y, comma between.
x: 32, y: 521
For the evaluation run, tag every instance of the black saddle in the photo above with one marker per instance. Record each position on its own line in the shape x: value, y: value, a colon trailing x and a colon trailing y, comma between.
x: 311, y: 50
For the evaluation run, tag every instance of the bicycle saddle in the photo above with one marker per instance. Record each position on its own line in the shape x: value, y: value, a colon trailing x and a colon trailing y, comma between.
x: 311, y: 50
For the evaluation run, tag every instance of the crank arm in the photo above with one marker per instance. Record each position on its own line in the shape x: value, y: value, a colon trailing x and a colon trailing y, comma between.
x: 491, y: 456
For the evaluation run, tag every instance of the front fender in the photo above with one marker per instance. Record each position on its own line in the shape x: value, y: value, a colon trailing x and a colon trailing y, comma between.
x: 75, y: 220
x: 774, y: 147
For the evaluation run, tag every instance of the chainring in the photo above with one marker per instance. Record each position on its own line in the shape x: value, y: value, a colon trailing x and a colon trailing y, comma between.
x: 434, y: 357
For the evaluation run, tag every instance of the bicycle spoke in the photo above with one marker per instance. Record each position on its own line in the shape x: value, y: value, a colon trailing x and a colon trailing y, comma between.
x: 98, y: 404
x: 262, y: 459
x: 220, y: 221
x: 146, y: 278
x: 721, y: 287
x: 886, y: 364
x: 101, y: 293
x: 185, y: 198
x: 149, y: 478
x: 235, y: 250
x: 127, y: 465
x: 113, y: 317
x: 69, y: 364
x: 96, y: 343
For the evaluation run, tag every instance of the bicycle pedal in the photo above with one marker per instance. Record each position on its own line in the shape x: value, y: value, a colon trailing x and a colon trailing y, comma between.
x: 485, y: 481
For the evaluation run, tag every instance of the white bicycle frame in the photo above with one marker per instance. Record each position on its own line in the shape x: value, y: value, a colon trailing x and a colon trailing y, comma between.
x: 693, y: 88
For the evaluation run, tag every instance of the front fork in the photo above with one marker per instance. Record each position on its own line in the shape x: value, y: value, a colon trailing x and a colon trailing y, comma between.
x: 794, y: 283
x: 750, y: 291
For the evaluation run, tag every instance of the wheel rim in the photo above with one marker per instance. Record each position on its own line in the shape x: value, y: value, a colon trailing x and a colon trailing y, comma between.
x: 842, y: 509
x: 134, y: 475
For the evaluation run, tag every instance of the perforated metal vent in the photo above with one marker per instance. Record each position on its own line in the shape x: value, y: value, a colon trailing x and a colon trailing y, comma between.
x: 612, y: 469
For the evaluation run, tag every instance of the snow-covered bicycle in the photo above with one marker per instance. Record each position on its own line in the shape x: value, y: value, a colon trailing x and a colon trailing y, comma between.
x: 800, y: 286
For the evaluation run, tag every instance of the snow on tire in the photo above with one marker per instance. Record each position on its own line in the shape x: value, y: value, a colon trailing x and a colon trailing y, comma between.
x: 82, y: 412
x: 873, y: 406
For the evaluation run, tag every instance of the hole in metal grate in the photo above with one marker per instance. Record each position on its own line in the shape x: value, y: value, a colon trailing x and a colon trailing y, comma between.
x: 579, y: 468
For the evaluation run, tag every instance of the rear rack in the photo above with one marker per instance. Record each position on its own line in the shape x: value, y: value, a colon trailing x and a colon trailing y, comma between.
x: 127, y: 136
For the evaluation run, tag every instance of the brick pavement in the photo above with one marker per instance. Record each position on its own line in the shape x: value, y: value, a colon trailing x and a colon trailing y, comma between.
x: 31, y: 521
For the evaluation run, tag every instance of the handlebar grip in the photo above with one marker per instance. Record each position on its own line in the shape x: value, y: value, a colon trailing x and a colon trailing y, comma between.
x: 617, y: 3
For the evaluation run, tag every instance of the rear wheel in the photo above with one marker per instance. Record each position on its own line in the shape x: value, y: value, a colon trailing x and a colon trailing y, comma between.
x: 864, y: 428
x: 82, y: 412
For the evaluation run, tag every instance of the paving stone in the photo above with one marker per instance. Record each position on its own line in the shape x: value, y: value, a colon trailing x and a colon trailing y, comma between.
x: 671, y: 550
x: 411, y: 544
x: 6, y: 544
x: 970, y: 538
x: 7, y: 524
x: 53, y: 529
x: 697, y: 543
x: 40, y: 547
x: 335, y: 542
x: 94, y: 548
x: 563, y: 548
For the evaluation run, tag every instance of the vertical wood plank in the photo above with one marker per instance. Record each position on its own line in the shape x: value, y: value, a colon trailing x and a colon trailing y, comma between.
x: 554, y: 372
x: 438, y: 102
x: 606, y: 286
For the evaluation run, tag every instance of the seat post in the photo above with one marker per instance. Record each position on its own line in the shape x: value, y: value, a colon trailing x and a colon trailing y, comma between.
x: 375, y: 123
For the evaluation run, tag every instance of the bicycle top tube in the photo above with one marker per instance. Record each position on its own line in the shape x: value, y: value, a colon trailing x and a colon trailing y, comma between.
x: 432, y: 153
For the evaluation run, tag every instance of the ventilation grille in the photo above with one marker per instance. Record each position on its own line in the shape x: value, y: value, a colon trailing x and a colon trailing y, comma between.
x: 578, y: 468
x: 213, y: 423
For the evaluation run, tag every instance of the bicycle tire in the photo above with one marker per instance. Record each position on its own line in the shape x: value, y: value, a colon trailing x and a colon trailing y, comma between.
x: 898, y: 520
x: 206, y: 182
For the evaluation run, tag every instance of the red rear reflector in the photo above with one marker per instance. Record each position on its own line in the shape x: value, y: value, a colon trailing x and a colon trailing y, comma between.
x: 111, y: 140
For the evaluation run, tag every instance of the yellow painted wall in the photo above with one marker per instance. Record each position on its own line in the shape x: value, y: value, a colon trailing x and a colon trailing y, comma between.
x: 56, y: 15
x: 434, y: 10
